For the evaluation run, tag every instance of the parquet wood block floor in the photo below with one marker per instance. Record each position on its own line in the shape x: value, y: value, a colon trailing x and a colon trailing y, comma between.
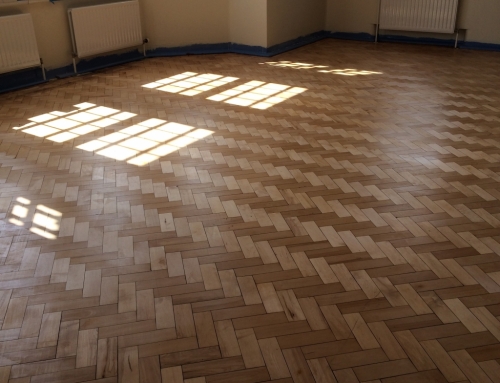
x: 344, y: 230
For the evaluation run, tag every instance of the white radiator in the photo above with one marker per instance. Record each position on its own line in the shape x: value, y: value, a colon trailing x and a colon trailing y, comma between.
x: 419, y: 15
x: 18, y: 47
x: 105, y: 28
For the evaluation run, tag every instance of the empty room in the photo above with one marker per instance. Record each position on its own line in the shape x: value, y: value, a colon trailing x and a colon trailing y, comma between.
x: 250, y: 191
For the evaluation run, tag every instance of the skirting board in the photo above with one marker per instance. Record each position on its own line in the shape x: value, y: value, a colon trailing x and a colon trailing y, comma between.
x: 26, y: 78
x: 414, y: 40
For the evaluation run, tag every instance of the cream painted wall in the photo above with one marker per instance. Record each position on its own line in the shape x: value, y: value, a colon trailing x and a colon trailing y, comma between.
x: 173, y: 23
x: 53, y: 35
x: 479, y: 17
x: 351, y: 16
x: 289, y: 19
x: 248, y: 22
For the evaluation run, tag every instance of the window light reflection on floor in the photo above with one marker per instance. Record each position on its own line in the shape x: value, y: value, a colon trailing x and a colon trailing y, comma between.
x: 61, y: 127
x: 254, y: 94
x: 322, y: 68
x: 257, y: 94
x: 145, y: 142
x: 190, y: 84
x: 349, y: 72
x: 45, y: 221
x: 138, y: 144
x: 297, y: 65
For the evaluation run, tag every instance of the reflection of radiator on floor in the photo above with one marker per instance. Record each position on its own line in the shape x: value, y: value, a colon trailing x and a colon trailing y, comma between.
x: 18, y: 47
x: 105, y: 28
x: 438, y: 16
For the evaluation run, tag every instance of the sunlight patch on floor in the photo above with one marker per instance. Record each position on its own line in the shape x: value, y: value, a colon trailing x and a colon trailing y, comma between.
x: 138, y: 144
x: 189, y: 83
x: 44, y: 221
x: 145, y: 142
x: 322, y: 68
x: 258, y: 94
x: 350, y: 72
x: 61, y: 127
x: 294, y: 65
x: 254, y: 94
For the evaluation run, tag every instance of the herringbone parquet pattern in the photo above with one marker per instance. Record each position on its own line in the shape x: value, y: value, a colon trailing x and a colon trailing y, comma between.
x: 328, y: 215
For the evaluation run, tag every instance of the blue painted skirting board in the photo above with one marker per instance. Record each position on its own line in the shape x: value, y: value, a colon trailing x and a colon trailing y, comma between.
x: 392, y: 38
x: 352, y: 36
x: 22, y: 79
x: 30, y: 77
x: 414, y: 40
x: 480, y: 46
x: 238, y: 48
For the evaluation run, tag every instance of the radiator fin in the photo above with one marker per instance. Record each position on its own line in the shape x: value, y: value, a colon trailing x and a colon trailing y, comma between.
x: 105, y: 28
x: 437, y: 16
x: 18, y: 47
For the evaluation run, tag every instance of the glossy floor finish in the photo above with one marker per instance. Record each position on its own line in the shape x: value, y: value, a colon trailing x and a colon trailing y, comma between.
x: 331, y: 214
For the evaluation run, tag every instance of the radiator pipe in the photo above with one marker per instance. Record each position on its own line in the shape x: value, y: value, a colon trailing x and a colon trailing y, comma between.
x: 144, y: 42
x: 43, y: 69
x: 74, y: 64
x: 378, y: 21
